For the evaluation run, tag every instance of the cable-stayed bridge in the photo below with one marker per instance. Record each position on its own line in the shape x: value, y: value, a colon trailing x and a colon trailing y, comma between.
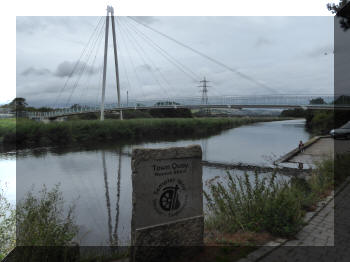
x: 227, y: 102
x: 130, y: 33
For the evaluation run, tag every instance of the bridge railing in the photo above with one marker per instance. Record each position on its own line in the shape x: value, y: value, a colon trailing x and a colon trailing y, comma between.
x: 261, y: 100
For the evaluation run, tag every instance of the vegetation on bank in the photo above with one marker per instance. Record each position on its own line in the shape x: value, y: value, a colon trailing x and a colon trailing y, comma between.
x: 268, y: 205
x: 41, y: 219
x: 46, y: 227
x: 28, y: 133
x: 7, y: 226
x: 133, y: 114
x: 319, y: 122
x: 7, y: 125
x: 43, y: 228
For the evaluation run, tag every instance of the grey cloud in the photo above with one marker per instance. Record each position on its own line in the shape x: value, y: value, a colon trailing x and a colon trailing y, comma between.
x: 29, y: 25
x: 38, y: 24
x: 262, y: 41
x: 35, y: 71
x: 145, y: 67
x: 146, y: 19
x: 67, y: 68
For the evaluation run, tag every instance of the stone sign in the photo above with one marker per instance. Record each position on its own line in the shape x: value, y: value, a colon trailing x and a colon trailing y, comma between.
x: 167, y: 200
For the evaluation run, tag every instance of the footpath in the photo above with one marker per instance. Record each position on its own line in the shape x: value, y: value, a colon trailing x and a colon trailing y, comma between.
x: 326, y: 237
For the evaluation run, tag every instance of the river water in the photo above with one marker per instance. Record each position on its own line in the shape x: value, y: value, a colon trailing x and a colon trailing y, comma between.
x: 98, y: 182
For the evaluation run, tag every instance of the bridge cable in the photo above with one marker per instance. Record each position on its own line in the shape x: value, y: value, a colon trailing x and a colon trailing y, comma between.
x: 142, y: 56
x: 85, y: 65
x: 82, y: 71
x: 99, y: 90
x: 160, y: 73
x: 207, y: 57
x: 121, y: 44
x: 139, y: 50
x: 77, y: 63
x: 85, y: 90
x: 125, y: 70
x: 131, y: 59
x: 80, y: 67
x: 166, y: 55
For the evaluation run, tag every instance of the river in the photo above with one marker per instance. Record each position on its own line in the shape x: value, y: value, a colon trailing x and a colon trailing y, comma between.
x: 98, y: 181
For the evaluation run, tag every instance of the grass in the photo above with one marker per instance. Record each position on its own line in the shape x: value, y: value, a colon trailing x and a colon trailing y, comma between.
x: 27, y: 133
x: 7, y: 125
x: 267, y: 205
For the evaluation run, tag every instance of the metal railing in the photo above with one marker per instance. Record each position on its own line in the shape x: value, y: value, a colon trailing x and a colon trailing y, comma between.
x: 262, y: 101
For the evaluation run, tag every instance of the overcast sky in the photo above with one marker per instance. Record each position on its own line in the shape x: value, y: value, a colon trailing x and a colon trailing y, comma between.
x: 283, y: 55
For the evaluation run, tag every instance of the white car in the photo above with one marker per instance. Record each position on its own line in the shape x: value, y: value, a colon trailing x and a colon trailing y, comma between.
x: 341, y: 132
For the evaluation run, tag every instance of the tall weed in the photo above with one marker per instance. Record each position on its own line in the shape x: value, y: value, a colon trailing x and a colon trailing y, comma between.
x: 41, y: 220
x: 263, y: 205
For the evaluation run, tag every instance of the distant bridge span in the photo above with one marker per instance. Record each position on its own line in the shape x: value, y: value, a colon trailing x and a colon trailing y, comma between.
x: 223, y: 102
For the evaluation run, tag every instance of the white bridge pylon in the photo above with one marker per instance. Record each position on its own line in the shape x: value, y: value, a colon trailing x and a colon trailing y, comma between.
x: 110, y: 15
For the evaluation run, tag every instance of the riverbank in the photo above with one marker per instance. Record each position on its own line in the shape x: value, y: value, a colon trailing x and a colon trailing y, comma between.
x: 319, y: 122
x: 29, y: 134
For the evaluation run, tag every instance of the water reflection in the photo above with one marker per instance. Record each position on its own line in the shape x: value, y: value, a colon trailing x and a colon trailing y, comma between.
x: 258, y: 143
x: 116, y: 242
x: 99, y: 180
x: 113, y: 237
x: 108, y: 202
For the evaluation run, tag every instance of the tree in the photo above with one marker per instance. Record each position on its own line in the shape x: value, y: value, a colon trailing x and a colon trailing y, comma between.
x: 342, y: 100
x: 317, y: 101
x: 76, y: 106
x: 339, y: 10
x: 18, y: 104
x: 297, y: 112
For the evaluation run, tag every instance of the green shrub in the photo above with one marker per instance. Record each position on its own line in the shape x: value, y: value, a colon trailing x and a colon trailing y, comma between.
x: 319, y: 121
x: 265, y: 205
x: 268, y: 205
x: 296, y: 112
x: 41, y: 220
x: 7, y: 226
